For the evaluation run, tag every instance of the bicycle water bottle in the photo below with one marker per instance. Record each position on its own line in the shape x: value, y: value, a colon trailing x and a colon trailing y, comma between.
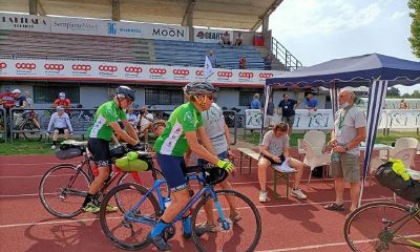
x: 167, y: 202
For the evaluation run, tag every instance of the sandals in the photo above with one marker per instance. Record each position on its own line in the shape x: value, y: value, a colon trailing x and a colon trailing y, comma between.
x: 334, y: 207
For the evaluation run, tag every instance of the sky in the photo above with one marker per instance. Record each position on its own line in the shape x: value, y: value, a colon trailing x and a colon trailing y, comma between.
x: 315, y: 31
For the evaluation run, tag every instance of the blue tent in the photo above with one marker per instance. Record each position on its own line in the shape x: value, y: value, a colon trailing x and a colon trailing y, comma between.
x: 373, y: 70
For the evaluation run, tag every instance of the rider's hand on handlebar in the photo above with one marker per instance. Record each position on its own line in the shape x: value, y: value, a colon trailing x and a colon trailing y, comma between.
x: 228, y: 166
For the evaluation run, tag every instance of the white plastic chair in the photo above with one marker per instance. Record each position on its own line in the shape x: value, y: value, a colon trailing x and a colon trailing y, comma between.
x: 402, y: 144
x: 312, y: 157
x: 317, y: 140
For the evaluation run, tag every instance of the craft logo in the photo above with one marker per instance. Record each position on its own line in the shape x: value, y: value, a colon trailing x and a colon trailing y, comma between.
x: 168, y: 32
x: 24, y: 22
x: 112, y: 29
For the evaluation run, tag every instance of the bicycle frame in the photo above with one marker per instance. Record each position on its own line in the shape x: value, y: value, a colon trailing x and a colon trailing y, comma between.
x: 413, y: 211
x: 207, y: 189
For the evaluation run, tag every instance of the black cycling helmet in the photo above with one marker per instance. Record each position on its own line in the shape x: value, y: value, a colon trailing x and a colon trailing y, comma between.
x: 197, y: 88
x: 125, y: 92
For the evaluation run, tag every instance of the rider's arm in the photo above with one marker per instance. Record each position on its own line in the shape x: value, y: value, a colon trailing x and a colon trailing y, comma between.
x: 205, y: 140
x: 198, y: 148
x: 122, y: 134
x: 130, y: 130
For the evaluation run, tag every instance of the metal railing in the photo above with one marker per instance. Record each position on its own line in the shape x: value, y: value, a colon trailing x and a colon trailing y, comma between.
x: 3, y: 125
x: 284, y: 56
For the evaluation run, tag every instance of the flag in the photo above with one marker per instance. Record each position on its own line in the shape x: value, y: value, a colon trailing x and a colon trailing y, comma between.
x: 208, y: 68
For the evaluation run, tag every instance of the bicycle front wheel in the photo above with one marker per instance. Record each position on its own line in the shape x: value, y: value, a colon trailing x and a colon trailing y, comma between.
x: 122, y: 232
x: 243, y: 232
x: 63, y: 189
x: 381, y: 226
x: 31, y: 132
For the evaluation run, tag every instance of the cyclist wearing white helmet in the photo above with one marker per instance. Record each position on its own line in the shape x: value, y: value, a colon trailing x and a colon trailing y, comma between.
x: 63, y: 102
x: 183, y: 128
x: 105, y: 124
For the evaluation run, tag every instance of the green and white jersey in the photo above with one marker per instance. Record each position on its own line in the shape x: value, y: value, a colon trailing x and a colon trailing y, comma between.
x: 107, y: 113
x: 173, y: 142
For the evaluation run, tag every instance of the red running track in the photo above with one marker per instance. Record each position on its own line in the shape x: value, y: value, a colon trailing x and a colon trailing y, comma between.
x: 287, y: 224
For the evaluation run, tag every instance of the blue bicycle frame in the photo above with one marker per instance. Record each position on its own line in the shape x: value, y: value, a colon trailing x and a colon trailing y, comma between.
x: 207, y: 189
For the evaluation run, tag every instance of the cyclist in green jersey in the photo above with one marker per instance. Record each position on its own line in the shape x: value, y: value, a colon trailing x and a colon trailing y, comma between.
x: 105, y: 124
x: 183, y: 128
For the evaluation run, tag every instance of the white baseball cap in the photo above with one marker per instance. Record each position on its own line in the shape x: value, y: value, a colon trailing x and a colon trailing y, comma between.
x: 16, y: 91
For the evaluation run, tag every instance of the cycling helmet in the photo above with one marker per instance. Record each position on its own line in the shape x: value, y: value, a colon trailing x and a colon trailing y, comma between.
x: 62, y: 95
x: 197, y: 88
x: 125, y: 92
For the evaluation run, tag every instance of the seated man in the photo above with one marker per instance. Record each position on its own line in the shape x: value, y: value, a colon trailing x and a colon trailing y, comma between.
x: 275, y: 150
x: 60, y: 121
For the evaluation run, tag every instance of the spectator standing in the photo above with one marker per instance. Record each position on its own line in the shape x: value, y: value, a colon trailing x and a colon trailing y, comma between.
x: 255, y: 103
x: 20, y: 102
x: 270, y: 112
x: 286, y: 109
x: 311, y: 102
x: 132, y: 119
x: 7, y: 99
x: 212, y: 58
x: 239, y: 40
x: 32, y: 114
x: 275, y: 150
x: 242, y: 62
x: 268, y: 60
x: 403, y: 104
x: 349, y: 131
x: 59, y: 124
x: 226, y: 39
x: 62, y: 101
x: 145, y: 121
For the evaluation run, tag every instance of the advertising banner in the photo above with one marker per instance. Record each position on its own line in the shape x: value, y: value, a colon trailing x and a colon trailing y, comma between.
x: 24, y: 23
x: 210, y: 35
x: 15, y: 68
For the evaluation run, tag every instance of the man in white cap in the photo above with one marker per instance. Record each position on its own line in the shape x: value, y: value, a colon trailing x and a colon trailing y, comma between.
x: 20, y: 102
x: 60, y: 123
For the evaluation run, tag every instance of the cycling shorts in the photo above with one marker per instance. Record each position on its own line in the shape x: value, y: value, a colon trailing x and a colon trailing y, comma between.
x: 172, y: 169
x: 99, y: 149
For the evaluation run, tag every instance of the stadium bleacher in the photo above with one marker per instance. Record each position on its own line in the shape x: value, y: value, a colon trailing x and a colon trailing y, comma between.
x: 37, y: 45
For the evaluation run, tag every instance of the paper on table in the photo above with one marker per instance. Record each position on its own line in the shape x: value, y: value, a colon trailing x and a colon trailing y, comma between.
x: 284, y: 167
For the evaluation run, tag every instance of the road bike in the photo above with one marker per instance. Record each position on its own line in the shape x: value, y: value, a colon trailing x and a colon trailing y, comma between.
x: 383, y: 226
x: 64, y: 187
x: 237, y: 220
x: 27, y: 127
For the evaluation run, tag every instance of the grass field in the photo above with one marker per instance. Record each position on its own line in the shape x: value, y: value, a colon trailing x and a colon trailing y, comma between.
x: 22, y: 147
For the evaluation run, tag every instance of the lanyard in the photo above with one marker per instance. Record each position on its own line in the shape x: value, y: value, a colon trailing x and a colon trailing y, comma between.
x: 341, y: 118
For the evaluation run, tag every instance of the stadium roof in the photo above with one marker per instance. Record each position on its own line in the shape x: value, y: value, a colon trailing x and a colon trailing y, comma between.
x: 235, y: 14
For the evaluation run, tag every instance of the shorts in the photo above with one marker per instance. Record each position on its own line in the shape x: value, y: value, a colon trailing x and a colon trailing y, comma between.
x: 223, y: 155
x: 347, y: 167
x: 172, y: 169
x: 282, y: 158
x: 289, y: 120
x: 60, y: 130
x: 99, y: 149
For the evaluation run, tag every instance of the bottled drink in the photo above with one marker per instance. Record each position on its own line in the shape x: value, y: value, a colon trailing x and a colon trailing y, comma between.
x: 335, y: 157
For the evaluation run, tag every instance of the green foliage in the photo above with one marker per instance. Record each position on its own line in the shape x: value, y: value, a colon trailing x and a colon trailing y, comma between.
x: 414, y: 39
x: 393, y: 92
x: 415, y: 94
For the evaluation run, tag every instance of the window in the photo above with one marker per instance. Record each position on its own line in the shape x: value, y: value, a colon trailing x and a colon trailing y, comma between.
x: 245, y: 97
x: 48, y: 94
x: 164, y: 97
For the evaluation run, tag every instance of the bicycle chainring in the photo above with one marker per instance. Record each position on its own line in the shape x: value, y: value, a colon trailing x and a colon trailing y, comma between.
x: 168, y: 233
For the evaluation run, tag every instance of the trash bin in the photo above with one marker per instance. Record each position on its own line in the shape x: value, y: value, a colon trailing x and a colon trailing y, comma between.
x: 258, y: 40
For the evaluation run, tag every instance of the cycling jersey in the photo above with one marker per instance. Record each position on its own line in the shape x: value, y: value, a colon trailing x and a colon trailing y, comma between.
x: 185, y: 118
x: 107, y: 113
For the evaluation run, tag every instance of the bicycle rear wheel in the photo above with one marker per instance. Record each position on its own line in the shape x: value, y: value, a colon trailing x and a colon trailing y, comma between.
x: 122, y: 232
x: 31, y: 132
x: 63, y: 189
x: 245, y: 224
x: 375, y: 227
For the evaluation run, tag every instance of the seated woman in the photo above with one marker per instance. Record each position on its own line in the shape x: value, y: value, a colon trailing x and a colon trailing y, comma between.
x: 275, y: 150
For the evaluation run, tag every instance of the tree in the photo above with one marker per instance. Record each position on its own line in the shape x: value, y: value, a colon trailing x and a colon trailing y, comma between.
x: 416, y: 94
x: 393, y: 92
x: 415, y: 27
